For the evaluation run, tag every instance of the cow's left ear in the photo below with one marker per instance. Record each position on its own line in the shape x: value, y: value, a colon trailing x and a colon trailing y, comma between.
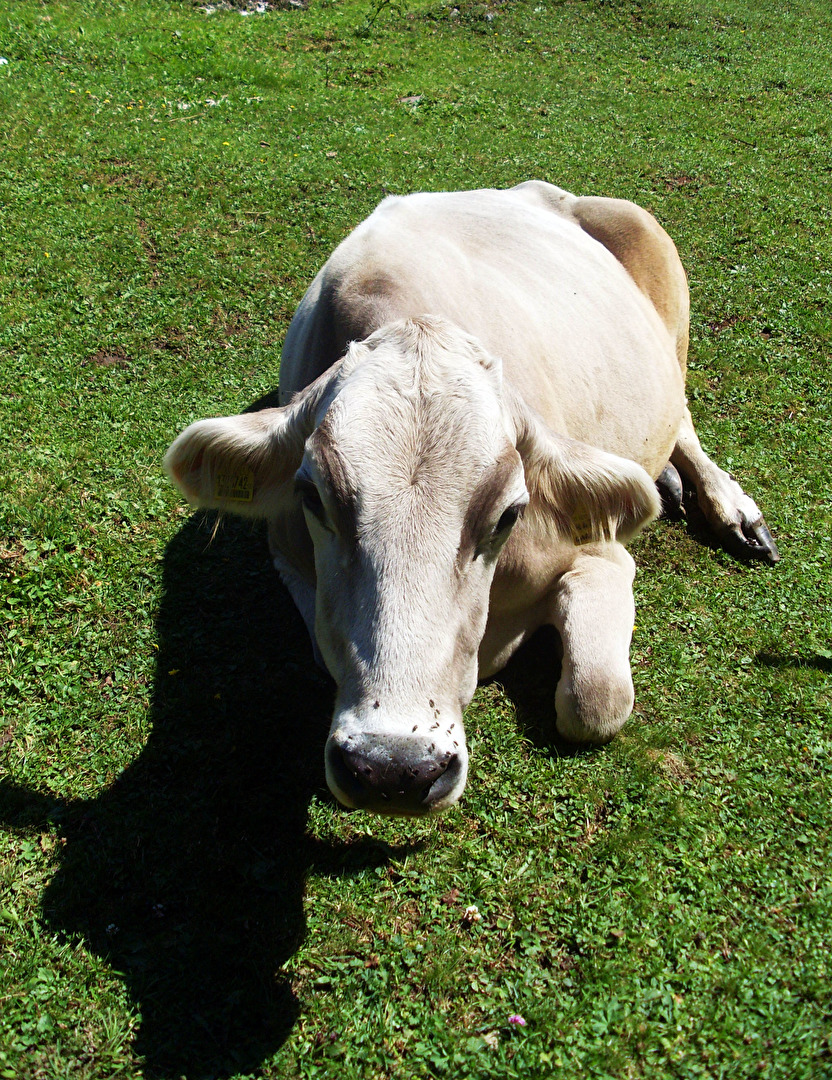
x: 242, y: 463
x: 588, y: 495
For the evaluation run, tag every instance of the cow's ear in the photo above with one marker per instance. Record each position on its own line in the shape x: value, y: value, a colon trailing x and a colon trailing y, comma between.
x: 587, y: 495
x: 242, y: 463
x: 237, y: 463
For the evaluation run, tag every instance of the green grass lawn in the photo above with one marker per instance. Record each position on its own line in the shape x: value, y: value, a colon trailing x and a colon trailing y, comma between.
x: 179, y: 896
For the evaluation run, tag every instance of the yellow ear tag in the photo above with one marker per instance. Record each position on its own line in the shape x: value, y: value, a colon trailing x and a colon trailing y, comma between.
x: 237, y: 485
x: 581, y: 526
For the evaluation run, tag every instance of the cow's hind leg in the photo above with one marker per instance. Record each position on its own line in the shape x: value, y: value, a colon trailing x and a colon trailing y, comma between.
x: 670, y: 488
x: 593, y: 611
x: 733, y: 515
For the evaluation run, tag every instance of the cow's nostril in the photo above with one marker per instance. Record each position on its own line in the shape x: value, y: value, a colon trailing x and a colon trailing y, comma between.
x: 403, y: 776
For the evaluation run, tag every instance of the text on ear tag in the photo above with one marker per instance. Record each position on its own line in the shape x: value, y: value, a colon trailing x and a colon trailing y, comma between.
x: 237, y: 485
x: 582, y: 527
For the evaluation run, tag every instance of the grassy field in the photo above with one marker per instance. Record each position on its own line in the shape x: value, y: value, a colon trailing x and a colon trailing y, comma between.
x: 179, y: 896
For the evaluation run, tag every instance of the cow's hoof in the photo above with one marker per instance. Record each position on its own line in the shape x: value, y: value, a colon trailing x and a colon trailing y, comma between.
x: 751, y: 541
x: 669, y: 485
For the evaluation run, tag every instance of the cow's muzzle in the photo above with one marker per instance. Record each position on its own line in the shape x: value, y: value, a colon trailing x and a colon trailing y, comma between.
x: 408, y: 775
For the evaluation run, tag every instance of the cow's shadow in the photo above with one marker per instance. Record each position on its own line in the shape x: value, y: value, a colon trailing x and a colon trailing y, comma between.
x: 187, y: 873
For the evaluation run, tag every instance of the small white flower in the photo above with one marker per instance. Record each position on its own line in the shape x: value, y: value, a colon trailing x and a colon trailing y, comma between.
x: 3, y: 60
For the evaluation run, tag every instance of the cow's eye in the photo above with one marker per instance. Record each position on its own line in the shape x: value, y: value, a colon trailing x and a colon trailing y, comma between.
x: 508, y: 518
x: 493, y: 541
x: 310, y: 497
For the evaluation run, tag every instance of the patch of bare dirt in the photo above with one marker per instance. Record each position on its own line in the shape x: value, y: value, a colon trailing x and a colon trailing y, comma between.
x: 109, y: 358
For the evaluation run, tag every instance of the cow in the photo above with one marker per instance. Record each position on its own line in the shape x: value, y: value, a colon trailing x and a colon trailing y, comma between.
x: 478, y: 392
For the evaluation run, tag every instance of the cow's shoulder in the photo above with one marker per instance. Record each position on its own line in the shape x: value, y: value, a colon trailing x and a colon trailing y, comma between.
x: 637, y: 241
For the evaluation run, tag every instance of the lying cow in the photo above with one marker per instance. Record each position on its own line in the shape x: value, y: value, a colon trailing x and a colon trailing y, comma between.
x: 478, y: 391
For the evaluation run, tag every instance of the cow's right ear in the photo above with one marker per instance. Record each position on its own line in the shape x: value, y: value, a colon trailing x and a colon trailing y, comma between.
x: 238, y: 463
x: 243, y: 463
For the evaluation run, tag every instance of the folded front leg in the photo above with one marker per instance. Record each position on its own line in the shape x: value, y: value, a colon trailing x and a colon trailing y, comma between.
x: 593, y: 611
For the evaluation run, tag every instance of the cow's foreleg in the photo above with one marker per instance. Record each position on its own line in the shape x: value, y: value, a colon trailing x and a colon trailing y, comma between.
x: 733, y: 515
x: 593, y: 611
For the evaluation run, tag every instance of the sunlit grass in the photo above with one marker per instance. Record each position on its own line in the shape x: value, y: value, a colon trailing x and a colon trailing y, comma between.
x: 178, y: 894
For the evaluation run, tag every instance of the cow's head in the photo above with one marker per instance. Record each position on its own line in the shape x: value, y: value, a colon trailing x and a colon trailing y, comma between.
x: 409, y: 465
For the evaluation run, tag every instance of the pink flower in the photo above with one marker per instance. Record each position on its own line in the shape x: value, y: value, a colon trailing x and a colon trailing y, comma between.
x: 517, y: 1020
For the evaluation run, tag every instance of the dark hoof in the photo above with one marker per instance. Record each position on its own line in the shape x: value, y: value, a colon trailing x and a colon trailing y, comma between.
x: 669, y: 485
x: 752, y: 541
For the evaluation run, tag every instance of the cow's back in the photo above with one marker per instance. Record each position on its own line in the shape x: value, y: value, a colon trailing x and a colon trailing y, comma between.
x: 579, y: 340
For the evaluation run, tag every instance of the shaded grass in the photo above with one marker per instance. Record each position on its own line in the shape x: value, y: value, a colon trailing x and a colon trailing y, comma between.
x: 179, y: 895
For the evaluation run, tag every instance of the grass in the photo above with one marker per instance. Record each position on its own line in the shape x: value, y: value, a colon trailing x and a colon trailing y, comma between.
x: 178, y: 894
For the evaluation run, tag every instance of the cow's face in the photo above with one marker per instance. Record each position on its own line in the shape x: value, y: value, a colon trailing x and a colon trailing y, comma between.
x: 408, y: 463
x: 410, y: 487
